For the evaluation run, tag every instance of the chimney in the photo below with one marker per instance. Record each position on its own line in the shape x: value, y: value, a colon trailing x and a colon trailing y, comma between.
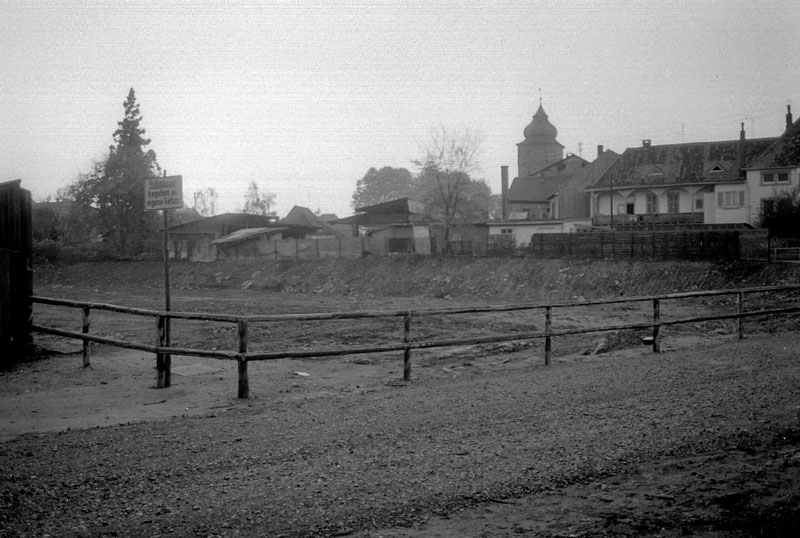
x: 646, y: 143
x: 599, y: 150
x: 504, y: 193
x: 742, y: 160
x: 789, y: 121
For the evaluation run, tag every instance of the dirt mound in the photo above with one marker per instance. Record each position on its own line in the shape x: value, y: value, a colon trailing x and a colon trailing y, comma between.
x: 482, y: 279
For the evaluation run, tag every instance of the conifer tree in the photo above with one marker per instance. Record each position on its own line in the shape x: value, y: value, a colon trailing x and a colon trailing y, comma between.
x: 114, y: 189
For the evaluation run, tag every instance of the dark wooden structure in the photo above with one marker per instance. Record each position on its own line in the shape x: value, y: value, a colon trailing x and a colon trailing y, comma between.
x: 16, y: 273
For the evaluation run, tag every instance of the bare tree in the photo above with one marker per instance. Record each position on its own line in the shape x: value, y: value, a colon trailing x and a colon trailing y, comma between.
x: 444, y: 182
x: 205, y: 202
x: 257, y: 202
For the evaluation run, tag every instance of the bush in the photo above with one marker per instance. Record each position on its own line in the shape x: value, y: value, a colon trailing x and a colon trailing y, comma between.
x: 46, y: 251
x: 781, y: 214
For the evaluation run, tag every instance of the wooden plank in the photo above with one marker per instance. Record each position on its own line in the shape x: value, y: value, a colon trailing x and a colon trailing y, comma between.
x: 161, y: 339
x: 244, y: 382
x: 548, y: 341
x: 407, y: 350
x: 5, y: 307
x: 86, y: 343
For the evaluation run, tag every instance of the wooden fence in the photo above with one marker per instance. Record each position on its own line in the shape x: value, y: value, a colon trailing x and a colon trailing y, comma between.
x: 660, y: 245
x: 243, y: 354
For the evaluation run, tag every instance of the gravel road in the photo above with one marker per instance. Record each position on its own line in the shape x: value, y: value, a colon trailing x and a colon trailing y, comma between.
x: 351, y: 461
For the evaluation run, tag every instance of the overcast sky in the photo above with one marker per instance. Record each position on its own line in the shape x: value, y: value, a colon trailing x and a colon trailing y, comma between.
x: 304, y: 97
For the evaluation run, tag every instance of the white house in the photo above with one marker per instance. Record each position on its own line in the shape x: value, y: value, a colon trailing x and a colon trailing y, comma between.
x: 775, y: 170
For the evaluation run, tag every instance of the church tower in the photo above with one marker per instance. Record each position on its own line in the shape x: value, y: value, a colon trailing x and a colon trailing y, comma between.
x: 540, y: 147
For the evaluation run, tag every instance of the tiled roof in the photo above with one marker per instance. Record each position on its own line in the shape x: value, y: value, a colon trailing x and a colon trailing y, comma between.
x: 676, y: 164
x: 785, y: 151
x: 588, y: 175
x: 539, y: 186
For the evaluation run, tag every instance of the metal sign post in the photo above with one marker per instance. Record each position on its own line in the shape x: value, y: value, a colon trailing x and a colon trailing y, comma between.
x: 164, y: 193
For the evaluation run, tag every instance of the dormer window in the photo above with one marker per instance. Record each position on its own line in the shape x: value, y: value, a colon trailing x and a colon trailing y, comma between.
x: 717, y: 168
x: 774, y: 178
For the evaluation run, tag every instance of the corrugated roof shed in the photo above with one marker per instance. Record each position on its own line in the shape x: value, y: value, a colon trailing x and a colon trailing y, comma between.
x: 224, y: 223
x: 246, y: 233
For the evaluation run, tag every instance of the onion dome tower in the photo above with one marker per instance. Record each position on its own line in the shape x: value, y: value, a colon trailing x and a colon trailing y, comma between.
x: 540, y: 147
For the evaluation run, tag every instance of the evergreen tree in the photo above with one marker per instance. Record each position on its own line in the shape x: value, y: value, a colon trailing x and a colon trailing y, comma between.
x: 115, y: 187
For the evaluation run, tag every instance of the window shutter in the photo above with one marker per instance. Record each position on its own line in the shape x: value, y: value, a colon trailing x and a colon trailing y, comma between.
x: 741, y: 198
x: 720, y: 199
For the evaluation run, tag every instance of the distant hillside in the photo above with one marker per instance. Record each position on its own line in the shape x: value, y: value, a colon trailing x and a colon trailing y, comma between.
x: 489, y: 280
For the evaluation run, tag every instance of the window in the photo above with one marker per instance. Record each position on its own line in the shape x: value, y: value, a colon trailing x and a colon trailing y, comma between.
x: 730, y: 199
x: 771, y: 178
x: 651, y: 203
x: 629, y: 205
x: 767, y: 207
x: 673, y: 202
x: 506, y: 230
x: 698, y: 203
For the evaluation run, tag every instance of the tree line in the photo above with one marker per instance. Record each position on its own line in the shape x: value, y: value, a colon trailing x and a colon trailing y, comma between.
x: 106, y: 205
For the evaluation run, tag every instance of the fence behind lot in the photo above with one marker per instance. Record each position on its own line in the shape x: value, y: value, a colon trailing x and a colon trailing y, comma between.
x: 244, y: 352
x: 656, y: 245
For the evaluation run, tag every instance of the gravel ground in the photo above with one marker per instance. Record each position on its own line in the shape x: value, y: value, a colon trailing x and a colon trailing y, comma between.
x: 345, y: 462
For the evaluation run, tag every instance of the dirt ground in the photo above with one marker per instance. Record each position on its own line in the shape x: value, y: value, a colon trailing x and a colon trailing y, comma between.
x: 743, y: 484
x: 750, y: 487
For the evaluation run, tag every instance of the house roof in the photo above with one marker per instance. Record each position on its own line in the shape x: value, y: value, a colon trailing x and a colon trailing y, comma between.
x: 246, y: 233
x: 304, y: 218
x: 676, y: 164
x: 539, y: 186
x: 399, y: 211
x: 589, y: 174
x: 398, y: 205
x: 785, y: 151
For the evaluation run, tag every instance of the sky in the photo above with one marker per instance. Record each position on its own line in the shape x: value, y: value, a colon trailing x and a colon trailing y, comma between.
x: 304, y: 96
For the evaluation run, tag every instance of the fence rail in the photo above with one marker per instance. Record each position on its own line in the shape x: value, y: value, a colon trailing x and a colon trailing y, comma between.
x: 243, y: 354
x: 786, y: 254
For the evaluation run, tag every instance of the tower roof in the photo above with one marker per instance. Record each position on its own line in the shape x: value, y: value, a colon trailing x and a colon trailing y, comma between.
x: 540, y: 127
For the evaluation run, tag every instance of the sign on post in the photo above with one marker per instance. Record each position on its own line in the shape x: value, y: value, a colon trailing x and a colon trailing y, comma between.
x: 163, y: 193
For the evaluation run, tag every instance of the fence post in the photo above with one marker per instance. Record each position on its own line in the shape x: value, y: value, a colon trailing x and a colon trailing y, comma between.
x: 407, y: 351
x: 296, y: 248
x: 86, y: 344
x: 340, y: 247
x: 276, y: 249
x: 739, y: 310
x: 548, y: 324
x: 602, y: 245
x: 161, y: 332
x: 244, y: 382
x: 613, y: 244
x: 317, y: 244
x: 656, y: 326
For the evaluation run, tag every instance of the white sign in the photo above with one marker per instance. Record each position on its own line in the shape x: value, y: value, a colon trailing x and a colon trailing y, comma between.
x: 163, y: 193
